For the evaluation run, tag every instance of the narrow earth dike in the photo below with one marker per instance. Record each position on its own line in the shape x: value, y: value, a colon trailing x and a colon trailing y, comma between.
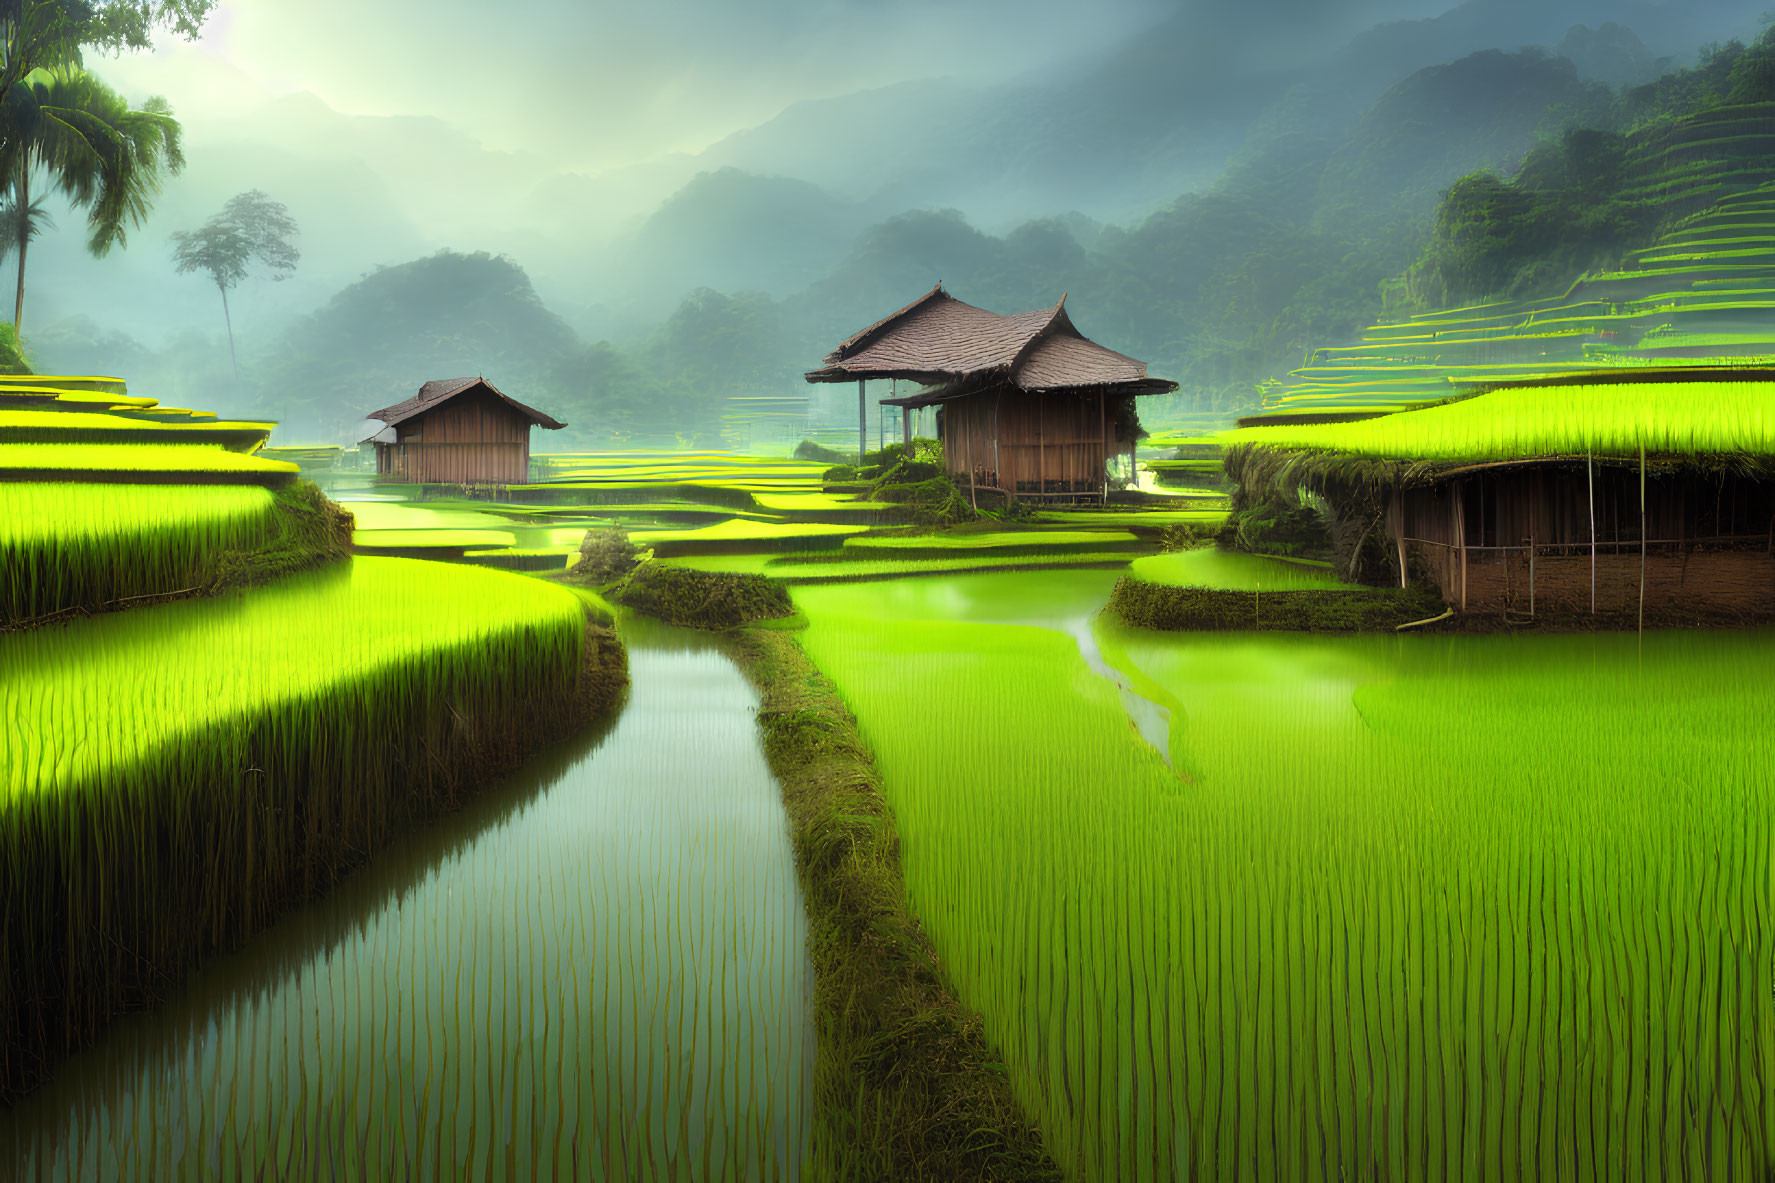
x: 178, y: 776
x: 905, y: 1084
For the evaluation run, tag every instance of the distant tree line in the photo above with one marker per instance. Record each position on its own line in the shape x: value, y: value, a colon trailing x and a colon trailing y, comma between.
x: 1579, y: 201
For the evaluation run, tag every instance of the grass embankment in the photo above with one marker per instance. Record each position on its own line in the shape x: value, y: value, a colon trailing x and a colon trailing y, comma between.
x: 1156, y: 606
x: 90, y: 548
x: 1211, y: 589
x: 905, y: 1085
x: 175, y: 777
x: 702, y: 599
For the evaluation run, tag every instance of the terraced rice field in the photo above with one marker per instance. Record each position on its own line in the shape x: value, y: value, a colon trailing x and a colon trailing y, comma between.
x: 1705, y: 292
x: 598, y: 971
x: 1400, y: 907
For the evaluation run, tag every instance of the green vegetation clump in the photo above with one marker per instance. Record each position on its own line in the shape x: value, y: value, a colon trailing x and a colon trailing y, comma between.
x: 605, y: 556
x: 808, y: 450
x: 906, y: 1085
x: 1168, y: 608
x: 702, y: 599
x: 935, y: 501
x: 1275, y: 526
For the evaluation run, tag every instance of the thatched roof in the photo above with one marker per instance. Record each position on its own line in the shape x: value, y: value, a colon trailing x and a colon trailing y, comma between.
x: 439, y: 391
x: 940, y: 341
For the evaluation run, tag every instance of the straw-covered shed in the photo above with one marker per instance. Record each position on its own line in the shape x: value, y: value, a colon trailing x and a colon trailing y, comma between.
x: 1634, y: 491
x: 458, y: 431
x: 1027, y: 405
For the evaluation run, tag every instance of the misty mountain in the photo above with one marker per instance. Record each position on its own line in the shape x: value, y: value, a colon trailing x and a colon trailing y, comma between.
x: 737, y: 231
x: 373, y: 343
x: 1484, y: 111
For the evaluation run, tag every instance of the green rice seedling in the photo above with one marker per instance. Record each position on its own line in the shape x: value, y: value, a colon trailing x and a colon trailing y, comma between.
x: 1144, y: 518
x: 1234, y: 570
x: 740, y: 534
x: 1666, y: 419
x: 65, y: 545
x: 171, y: 463
x: 1402, y: 907
x: 174, y: 777
x: 410, y: 540
x: 570, y: 979
x: 840, y: 567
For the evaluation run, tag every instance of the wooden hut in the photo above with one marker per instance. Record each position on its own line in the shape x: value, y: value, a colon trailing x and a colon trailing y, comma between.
x: 1589, y: 536
x: 1677, y: 529
x: 1027, y: 405
x: 460, y: 431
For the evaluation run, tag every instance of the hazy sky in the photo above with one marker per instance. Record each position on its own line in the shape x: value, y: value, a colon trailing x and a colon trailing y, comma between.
x: 601, y: 84
x: 598, y: 84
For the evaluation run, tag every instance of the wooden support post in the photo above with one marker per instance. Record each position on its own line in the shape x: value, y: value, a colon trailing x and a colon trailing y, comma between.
x: 1103, y: 437
x: 906, y: 433
x: 1642, y: 539
x: 1460, y: 491
x: 1590, y: 493
x: 1396, y: 522
x: 862, y: 422
x: 1041, y: 452
x: 998, y: 473
x: 1531, y: 568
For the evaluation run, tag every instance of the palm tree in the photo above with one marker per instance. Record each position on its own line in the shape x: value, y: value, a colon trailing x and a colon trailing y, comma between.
x: 87, y: 142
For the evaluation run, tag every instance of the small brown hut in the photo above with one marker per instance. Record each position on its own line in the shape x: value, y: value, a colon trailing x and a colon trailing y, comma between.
x: 458, y: 431
x: 1028, y: 405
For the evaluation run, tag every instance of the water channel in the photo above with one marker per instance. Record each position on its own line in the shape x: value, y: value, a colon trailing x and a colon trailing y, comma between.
x: 598, y: 970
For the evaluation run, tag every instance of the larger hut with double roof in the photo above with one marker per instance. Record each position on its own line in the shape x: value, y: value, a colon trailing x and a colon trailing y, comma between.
x: 1028, y: 406
x: 458, y: 431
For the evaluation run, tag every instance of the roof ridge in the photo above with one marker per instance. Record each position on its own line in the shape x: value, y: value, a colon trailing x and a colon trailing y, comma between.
x: 1056, y: 315
x: 866, y: 336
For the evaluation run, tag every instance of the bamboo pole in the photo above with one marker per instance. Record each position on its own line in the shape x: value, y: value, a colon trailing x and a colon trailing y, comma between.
x: 1590, y: 493
x: 906, y: 433
x: 862, y: 422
